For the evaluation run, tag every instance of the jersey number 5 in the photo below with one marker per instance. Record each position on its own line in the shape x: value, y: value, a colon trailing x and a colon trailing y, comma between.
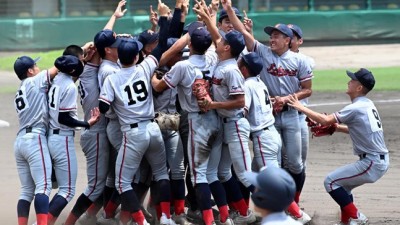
x: 139, y: 88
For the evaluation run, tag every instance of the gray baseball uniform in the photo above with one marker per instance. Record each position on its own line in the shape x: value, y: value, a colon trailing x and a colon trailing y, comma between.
x: 129, y: 93
x: 283, y: 76
x: 93, y: 141
x: 62, y: 98
x: 30, y: 147
x: 228, y: 81
x: 267, y: 142
x: 205, y: 132
x: 366, y: 133
x: 114, y: 133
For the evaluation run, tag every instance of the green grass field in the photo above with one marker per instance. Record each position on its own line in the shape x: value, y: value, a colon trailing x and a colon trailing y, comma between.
x: 387, y: 79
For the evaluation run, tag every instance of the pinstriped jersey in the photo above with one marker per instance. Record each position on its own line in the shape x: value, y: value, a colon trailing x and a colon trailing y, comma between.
x: 129, y: 92
x: 258, y: 104
x: 107, y: 68
x: 183, y: 74
x: 365, y: 126
x: 31, y: 102
x: 226, y: 82
x: 282, y: 74
x: 63, y: 95
x: 89, y: 92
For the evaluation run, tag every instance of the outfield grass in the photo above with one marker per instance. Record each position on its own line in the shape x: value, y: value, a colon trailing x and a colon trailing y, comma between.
x: 387, y: 79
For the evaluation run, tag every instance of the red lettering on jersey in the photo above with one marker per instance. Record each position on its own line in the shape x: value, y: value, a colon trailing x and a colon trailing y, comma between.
x: 280, y: 71
x: 216, y: 81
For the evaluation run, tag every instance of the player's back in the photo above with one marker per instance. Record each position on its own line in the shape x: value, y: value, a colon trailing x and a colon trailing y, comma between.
x: 258, y: 104
x: 89, y: 92
x: 62, y: 98
x: 31, y: 102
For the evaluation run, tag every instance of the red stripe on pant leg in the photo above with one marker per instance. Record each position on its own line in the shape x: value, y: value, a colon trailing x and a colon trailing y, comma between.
x: 97, y: 164
x: 69, y: 168
x: 44, y: 165
x: 259, y: 145
x: 122, y: 163
x: 241, y: 145
x: 344, y: 178
x: 193, y: 151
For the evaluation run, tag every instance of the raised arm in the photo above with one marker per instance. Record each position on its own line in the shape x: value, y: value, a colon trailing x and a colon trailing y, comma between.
x: 153, y: 18
x: 175, y: 48
x: 203, y: 13
x: 238, y: 25
x: 117, y: 14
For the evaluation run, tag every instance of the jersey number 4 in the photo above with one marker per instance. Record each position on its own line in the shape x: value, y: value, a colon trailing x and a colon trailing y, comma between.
x: 136, y: 92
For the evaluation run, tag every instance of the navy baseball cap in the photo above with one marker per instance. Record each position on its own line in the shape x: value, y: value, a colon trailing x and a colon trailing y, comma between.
x: 364, y: 76
x: 106, y: 38
x: 235, y: 39
x: 148, y: 37
x: 200, y: 38
x: 69, y: 64
x: 296, y: 30
x: 283, y: 28
x: 223, y: 14
x: 254, y: 63
x: 275, y: 188
x: 128, y: 49
x: 22, y: 64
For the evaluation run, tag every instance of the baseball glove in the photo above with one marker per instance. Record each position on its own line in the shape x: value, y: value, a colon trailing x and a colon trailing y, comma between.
x: 167, y: 121
x: 319, y: 130
x: 201, y: 89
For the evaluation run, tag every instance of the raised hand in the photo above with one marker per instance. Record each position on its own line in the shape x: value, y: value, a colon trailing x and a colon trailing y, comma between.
x: 163, y: 9
x: 153, y: 17
x: 248, y: 23
x: 118, y: 11
x: 226, y: 4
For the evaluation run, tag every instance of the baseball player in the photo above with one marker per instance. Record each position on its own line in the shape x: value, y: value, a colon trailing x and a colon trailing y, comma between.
x: 205, y: 131
x: 229, y: 102
x: 128, y: 91
x: 63, y: 120
x: 106, y: 43
x: 284, y: 73
x: 93, y: 141
x: 275, y: 192
x: 297, y: 41
x: 267, y: 142
x: 361, y: 121
x: 30, y: 147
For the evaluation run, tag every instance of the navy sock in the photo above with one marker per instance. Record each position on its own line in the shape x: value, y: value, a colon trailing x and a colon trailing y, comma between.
x: 341, y: 197
x: 57, y: 204
x: 233, y: 190
x: 129, y: 202
x: 140, y: 190
x: 23, y: 207
x: 203, y: 195
x: 81, y: 205
x: 163, y: 190
x: 299, y: 180
x: 178, y: 189
x: 107, y: 193
x: 41, y: 204
x: 218, y: 193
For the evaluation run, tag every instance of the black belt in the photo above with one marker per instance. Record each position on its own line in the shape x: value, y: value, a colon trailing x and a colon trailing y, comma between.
x: 134, y: 125
x: 57, y: 131
x: 28, y: 130
x: 362, y: 156
x: 228, y: 119
x: 286, y: 107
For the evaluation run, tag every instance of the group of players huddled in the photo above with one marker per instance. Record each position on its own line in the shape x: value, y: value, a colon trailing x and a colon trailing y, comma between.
x: 193, y: 170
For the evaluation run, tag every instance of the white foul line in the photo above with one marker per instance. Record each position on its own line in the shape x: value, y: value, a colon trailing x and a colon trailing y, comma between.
x: 344, y: 103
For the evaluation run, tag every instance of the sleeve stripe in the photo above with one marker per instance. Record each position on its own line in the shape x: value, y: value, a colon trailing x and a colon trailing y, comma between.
x: 67, y: 109
x: 168, y: 83
x: 104, y: 100
x: 307, y: 78
x: 92, y: 65
x: 336, y: 117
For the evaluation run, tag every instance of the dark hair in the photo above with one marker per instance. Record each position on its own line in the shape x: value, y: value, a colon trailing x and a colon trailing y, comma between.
x: 242, y: 62
x: 74, y: 50
x: 102, y: 52
x: 234, y: 52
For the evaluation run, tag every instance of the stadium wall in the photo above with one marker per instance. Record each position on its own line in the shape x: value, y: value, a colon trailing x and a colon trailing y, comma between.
x: 319, y: 28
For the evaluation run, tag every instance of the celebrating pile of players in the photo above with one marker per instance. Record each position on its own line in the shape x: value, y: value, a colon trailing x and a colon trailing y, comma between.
x: 182, y: 113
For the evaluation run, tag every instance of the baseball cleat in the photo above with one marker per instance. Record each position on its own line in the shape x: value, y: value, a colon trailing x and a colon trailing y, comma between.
x: 106, y: 221
x: 86, y: 219
x: 243, y: 220
x: 181, y: 219
x: 361, y: 220
x: 304, y: 219
x: 164, y: 220
x: 228, y: 221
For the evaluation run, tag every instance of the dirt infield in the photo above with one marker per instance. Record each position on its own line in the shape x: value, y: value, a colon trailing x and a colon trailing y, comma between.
x: 379, y: 201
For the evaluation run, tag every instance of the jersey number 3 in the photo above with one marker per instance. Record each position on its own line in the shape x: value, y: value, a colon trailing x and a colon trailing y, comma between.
x: 136, y: 92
